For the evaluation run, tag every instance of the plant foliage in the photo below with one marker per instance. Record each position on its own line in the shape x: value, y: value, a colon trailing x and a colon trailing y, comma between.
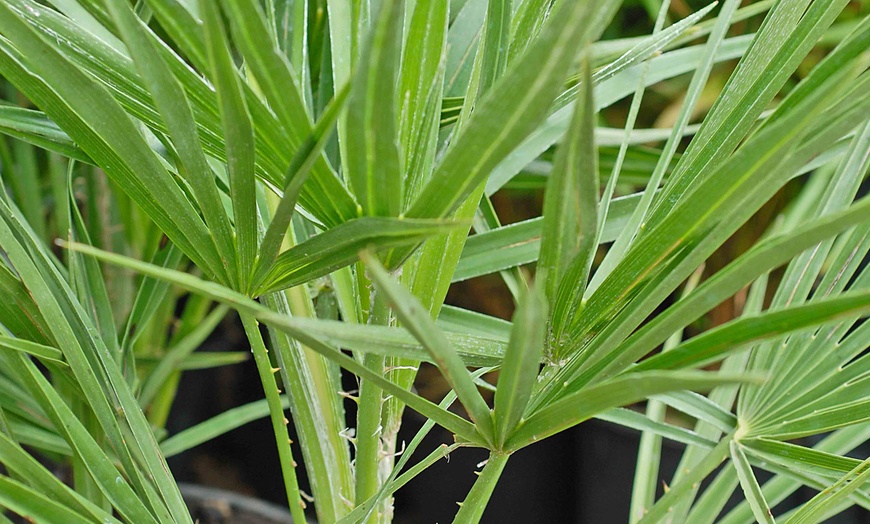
x: 247, y: 156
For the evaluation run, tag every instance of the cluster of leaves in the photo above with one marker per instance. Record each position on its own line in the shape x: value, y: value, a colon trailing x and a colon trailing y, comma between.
x: 201, y: 127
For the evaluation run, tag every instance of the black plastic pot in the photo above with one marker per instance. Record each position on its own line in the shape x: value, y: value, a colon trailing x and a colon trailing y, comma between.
x: 216, y: 506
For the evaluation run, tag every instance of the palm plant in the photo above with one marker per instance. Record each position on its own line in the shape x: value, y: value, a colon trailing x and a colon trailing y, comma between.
x: 317, y: 165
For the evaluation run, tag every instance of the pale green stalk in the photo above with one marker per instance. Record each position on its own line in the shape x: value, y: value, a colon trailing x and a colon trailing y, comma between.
x: 649, y: 453
x: 369, y: 433
x: 689, y: 482
x: 317, y: 412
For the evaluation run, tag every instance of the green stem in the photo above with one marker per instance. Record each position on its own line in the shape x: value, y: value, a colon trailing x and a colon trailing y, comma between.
x: 369, y: 429
x: 689, y: 482
x: 276, y: 414
x: 646, y: 472
x: 471, y: 510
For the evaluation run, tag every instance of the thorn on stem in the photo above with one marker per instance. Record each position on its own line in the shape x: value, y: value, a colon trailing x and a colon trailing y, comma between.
x: 348, y: 396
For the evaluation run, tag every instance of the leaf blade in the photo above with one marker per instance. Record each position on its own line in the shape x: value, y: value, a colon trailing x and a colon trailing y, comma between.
x: 496, y: 126
x: 570, y: 213
x: 716, y: 342
x: 584, y: 404
x: 340, y: 246
x: 521, y: 363
x: 828, y: 498
x: 750, y: 486
x: 40, y: 351
x: 297, y: 174
x: 97, y: 123
x: 239, y: 139
x: 374, y: 172
x: 173, y: 105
